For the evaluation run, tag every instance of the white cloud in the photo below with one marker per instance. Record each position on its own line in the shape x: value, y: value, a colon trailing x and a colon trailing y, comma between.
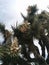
x: 10, y: 9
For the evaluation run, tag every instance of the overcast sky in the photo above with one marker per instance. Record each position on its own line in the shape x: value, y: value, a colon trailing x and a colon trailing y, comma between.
x: 10, y: 9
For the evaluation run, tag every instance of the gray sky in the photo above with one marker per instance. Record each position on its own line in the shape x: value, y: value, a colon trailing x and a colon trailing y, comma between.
x: 10, y: 9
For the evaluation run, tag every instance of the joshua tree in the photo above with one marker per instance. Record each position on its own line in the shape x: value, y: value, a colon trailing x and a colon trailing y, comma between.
x: 34, y: 25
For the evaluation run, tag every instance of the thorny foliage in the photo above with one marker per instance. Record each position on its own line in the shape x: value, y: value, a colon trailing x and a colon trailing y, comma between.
x: 35, y: 25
